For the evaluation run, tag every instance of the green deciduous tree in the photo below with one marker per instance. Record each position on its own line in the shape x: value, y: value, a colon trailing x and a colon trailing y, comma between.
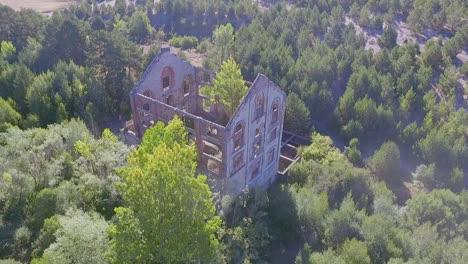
x: 43, y: 206
x: 7, y: 50
x: 46, y: 236
x: 247, y: 235
x: 355, y: 252
x: 443, y: 209
x: 321, y: 150
x: 228, y: 87
x: 343, y: 224
x: 168, y: 215
x: 329, y: 256
x: 8, y: 115
x: 81, y: 238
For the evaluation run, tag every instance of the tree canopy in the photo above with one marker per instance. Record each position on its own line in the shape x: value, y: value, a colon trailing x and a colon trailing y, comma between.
x: 168, y: 215
x: 228, y: 87
x: 396, y: 94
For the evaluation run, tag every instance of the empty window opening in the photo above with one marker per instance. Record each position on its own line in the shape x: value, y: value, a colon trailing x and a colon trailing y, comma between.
x: 192, y: 137
x: 186, y: 85
x: 188, y: 122
x: 259, y: 105
x: 275, y: 111
x: 212, y: 150
x: 273, y: 134
x: 255, y: 172
x: 167, y: 78
x: 166, y: 83
x: 170, y: 100
x: 257, y: 148
x: 146, y: 107
x: 213, y: 166
x: 271, y: 156
x: 239, y: 128
x: 238, y: 162
x: 238, y: 136
x: 212, y: 132
x: 257, y: 132
x: 238, y: 142
x: 147, y: 93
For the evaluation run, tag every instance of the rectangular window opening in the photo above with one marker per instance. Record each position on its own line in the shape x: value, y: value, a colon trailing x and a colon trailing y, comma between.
x: 213, y: 166
x: 238, y: 162
x: 255, y: 172
x: 188, y: 122
x: 273, y: 134
x: 257, y: 148
x: 271, y: 156
x: 212, y: 132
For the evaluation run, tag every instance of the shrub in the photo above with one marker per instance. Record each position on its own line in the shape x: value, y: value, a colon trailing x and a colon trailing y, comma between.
x: 184, y: 42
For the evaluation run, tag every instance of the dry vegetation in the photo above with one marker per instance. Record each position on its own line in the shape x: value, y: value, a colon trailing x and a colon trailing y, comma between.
x: 42, y: 6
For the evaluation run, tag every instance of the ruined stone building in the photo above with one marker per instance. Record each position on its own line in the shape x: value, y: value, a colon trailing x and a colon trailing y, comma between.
x: 235, y: 153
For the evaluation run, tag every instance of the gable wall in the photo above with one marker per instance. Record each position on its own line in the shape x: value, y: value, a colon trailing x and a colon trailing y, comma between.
x: 246, y: 114
x: 152, y: 80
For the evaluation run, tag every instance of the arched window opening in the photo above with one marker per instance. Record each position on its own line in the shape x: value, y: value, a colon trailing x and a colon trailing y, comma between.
x: 275, y: 111
x: 166, y: 82
x: 238, y: 136
x: 259, y: 105
x: 167, y: 78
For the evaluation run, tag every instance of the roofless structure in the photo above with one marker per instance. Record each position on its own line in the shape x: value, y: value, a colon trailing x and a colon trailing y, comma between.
x: 235, y: 152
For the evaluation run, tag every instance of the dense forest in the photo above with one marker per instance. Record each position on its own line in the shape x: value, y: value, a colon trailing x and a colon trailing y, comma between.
x: 383, y: 180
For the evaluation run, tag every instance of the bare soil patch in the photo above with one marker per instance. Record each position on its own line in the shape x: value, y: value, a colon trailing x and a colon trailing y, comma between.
x: 43, y: 6
x: 195, y: 58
